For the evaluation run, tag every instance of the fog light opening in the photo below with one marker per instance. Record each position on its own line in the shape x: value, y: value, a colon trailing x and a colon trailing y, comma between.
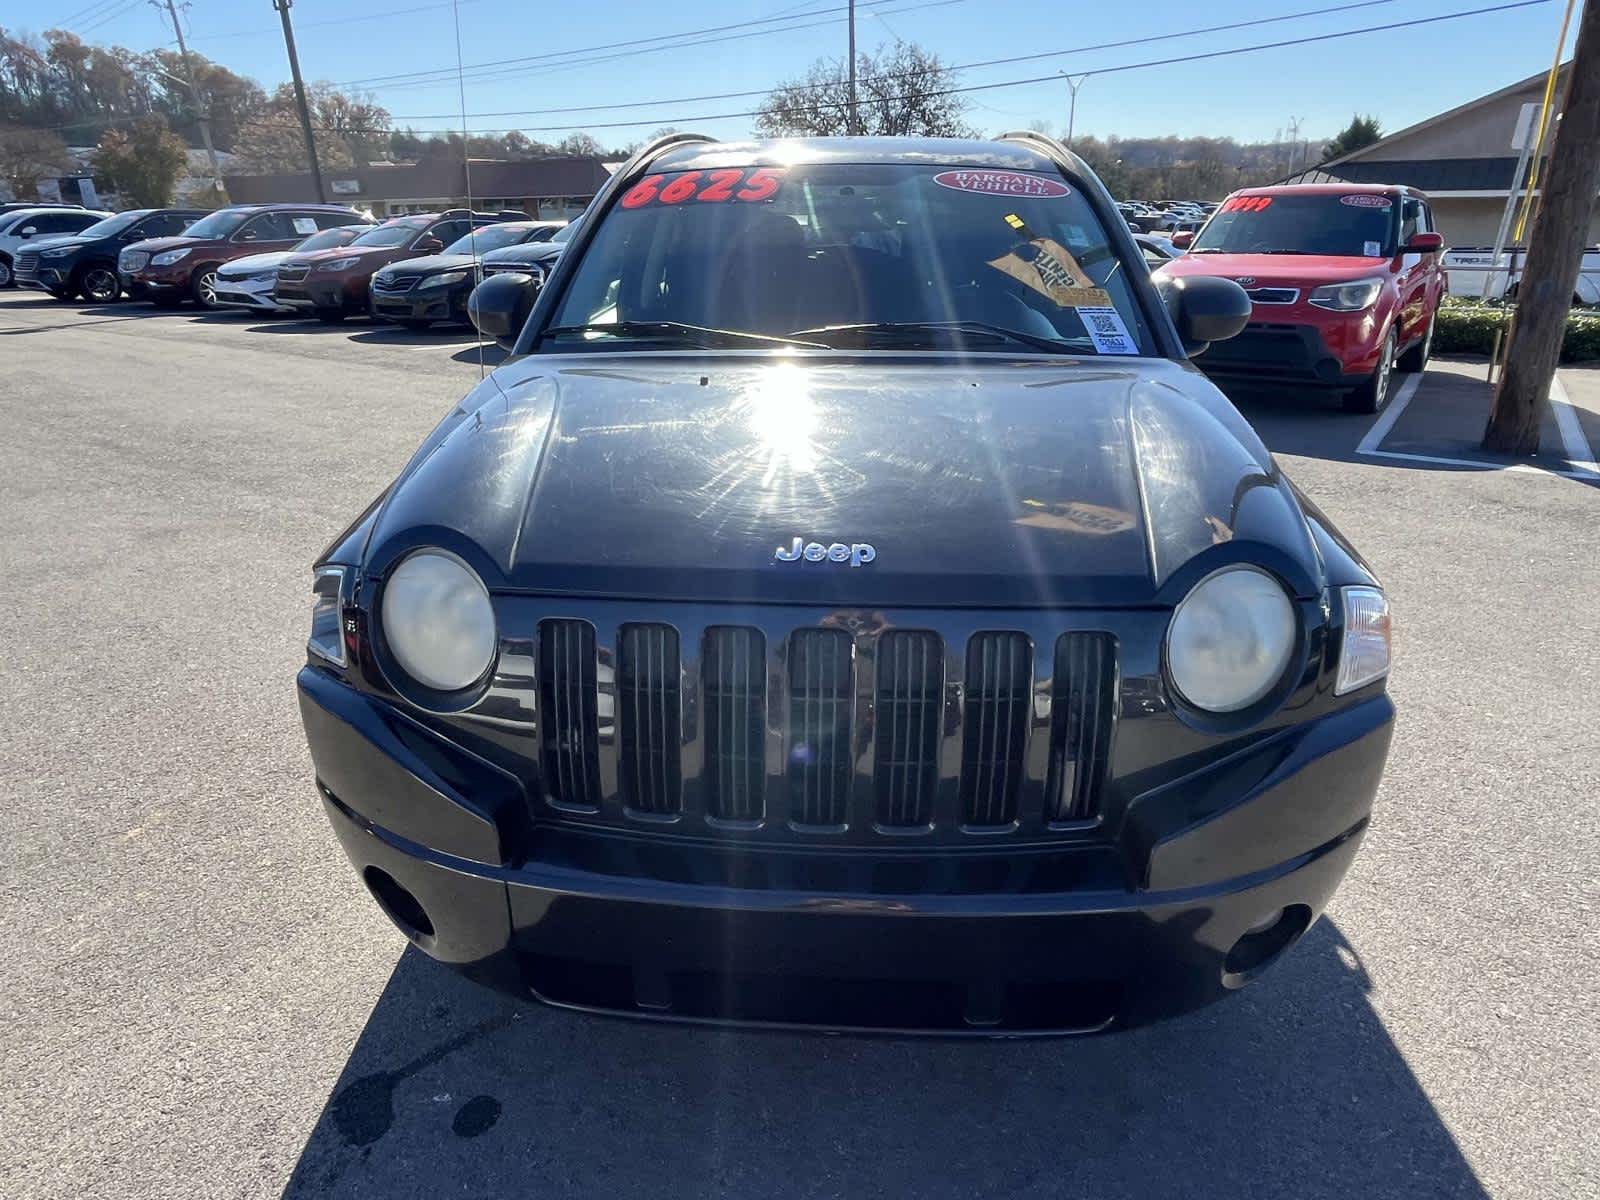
x: 1263, y: 943
x: 400, y: 905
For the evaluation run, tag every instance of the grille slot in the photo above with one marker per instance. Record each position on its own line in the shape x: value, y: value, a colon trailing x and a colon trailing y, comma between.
x: 1082, y: 718
x: 821, y: 685
x: 999, y: 673
x: 734, y: 681
x: 568, y: 712
x: 910, y: 684
x: 649, y: 692
x: 292, y: 274
x: 27, y: 265
x: 395, y: 283
x: 1273, y: 295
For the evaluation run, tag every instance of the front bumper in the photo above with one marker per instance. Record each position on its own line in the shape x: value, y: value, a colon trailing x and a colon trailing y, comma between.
x: 157, y: 282
x: 979, y: 944
x: 46, y: 278
x: 311, y: 293
x: 1333, y: 354
x: 424, y: 304
x: 254, y: 294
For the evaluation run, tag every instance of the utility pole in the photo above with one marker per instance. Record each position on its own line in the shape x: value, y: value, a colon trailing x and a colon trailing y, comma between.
x: 200, y: 111
x: 1555, y: 248
x: 1294, y: 142
x: 300, y: 97
x: 1072, y: 109
x: 853, y: 118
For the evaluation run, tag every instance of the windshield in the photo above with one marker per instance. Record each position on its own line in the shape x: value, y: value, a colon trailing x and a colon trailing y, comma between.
x: 895, y: 250
x: 218, y: 225
x: 114, y: 224
x: 325, y: 239
x: 490, y: 237
x: 397, y: 233
x: 564, y: 234
x: 1356, y: 225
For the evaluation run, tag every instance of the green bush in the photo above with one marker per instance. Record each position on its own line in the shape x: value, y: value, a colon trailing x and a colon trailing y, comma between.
x: 1468, y: 327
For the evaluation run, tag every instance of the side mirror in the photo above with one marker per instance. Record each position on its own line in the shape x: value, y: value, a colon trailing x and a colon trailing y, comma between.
x: 1205, y: 309
x: 499, y: 306
x: 247, y: 235
x: 1183, y: 240
x: 28, y: 232
x: 428, y: 245
x: 1424, y: 243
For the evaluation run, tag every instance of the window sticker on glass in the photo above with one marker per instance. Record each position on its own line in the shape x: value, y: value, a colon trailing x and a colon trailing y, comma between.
x: 304, y: 224
x: 728, y: 186
x: 1104, y: 326
x: 1002, y: 183
x: 1366, y: 200
x: 1372, y: 249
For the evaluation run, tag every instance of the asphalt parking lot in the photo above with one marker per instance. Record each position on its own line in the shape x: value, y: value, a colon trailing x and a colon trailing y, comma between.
x: 198, y: 999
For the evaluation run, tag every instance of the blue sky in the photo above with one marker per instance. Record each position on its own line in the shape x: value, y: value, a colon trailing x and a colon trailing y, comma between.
x: 1399, y: 76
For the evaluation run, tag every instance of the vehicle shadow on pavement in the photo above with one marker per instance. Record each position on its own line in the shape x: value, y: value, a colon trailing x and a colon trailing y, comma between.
x: 1290, y: 1089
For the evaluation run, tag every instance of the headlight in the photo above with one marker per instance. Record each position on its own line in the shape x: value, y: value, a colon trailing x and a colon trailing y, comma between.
x: 167, y: 257
x: 61, y: 253
x: 438, y: 621
x: 444, y: 280
x: 338, y: 264
x: 327, y: 639
x: 1364, y: 651
x: 1346, y: 297
x: 1231, y: 639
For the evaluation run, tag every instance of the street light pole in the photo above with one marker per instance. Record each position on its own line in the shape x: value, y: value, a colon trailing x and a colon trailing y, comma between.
x: 194, y: 98
x: 1072, y: 110
x: 300, y: 98
x: 853, y: 118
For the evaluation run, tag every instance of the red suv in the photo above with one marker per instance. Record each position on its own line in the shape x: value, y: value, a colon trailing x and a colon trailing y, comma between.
x: 1345, y: 280
x: 174, y: 269
x: 334, y: 284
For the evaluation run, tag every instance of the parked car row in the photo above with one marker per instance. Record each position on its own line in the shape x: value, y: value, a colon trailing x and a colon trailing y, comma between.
x: 317, y: 260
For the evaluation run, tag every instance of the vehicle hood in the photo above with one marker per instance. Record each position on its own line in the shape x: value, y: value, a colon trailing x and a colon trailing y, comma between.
x: 1009, y: 485
x: 1277, y: 269
x: 252, y: 263
x: 523, y: 253
x: 55, y: 243
x: 431, y: 264
x: 157, y: 245
x: 333, y: 252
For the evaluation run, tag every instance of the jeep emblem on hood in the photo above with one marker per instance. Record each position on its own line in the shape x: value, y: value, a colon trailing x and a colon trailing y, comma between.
x: 857, y: 554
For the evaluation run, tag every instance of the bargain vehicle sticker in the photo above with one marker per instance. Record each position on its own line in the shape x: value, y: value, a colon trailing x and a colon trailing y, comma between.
x: 1002, y: 183
x: 1366, y: 200
x: 727, y: 186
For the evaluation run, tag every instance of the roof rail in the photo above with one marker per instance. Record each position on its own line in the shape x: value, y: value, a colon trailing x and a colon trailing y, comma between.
x: 1049, y: 146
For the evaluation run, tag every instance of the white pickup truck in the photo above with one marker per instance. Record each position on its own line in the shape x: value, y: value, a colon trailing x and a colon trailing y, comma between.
x: 1466, y: 267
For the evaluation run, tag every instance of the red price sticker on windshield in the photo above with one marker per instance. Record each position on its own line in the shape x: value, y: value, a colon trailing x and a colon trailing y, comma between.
x: 1246, y: 204
x: 729, y: 185
x: 1366, y: 200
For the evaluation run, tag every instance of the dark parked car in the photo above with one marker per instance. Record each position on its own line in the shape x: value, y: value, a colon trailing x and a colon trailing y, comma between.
x: 419, y: 291
x: 334, y: 284
x: 170, y: 270
x: 32, y: 226
x: 534, y: 259
x: 850, y: 608
x: 85, y: 264
x: 249, y: 282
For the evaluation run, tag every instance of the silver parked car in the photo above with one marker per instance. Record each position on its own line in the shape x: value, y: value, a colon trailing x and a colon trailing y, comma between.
x: 249, y: 282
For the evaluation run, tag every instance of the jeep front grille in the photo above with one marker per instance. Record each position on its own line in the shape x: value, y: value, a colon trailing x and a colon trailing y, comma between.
x: 821, y: 688
x: 999, y: 674
x: 648, y: 716
x: 734, y: 680
x: 825, y: 733
x: 910, y: 693
x: 569, y: 703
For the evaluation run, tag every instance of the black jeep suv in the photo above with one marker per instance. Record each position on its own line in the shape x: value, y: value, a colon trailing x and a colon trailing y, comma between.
x: 850, y: 608
x: 86, y: 263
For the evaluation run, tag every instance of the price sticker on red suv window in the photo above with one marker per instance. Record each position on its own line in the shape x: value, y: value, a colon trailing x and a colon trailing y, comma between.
x: 727, y: 185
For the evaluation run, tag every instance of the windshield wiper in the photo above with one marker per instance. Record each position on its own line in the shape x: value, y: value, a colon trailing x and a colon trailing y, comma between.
x: 699, y: 336
x: 915, y: 331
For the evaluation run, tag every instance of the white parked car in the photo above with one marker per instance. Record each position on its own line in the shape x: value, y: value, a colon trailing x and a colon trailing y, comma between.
x: 1467, y: 266
x: 30, y: 225
x: 249, y: 282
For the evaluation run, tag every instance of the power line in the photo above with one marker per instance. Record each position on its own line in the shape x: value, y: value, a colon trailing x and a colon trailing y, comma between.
x: 87, y: 13
x: 106, y: 17
x: 1051, y: 78
x: 407, y: 77
x: 991, y: 62
x: 386, y: 15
